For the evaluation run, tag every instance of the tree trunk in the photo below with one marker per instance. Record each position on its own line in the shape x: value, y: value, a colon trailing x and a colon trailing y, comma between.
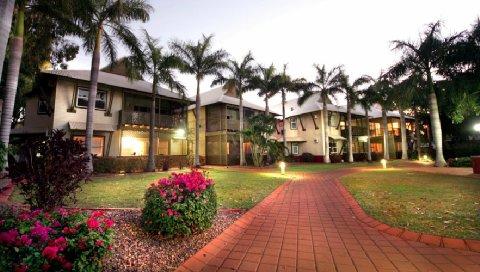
x: 267, y: 110
x: 242, y: 151
x: 417, y: 136
x: 326, y: 131
x: 403, y: 128
x: 151, y: 131
x: 350, y: 138
x: 284, y: 137
x: 92, y: 96
x: 11, y: 83
x: 436, y: 128
x: 197, y: 126
x: 6, y: 12
x: 369, y: 149
x: 386, y: 151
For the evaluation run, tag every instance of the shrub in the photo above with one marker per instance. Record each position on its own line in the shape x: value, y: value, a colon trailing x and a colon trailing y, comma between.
x: 134, y: 164
x: 460, y: 162
x: 180, y: 204
x: 336, y: 158
x: 50, y: 170
x: 165, y: 164
x: 307, y: 157
x: 57, y: 241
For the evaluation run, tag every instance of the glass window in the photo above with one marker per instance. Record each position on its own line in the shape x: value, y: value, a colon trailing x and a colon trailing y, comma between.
x: 332, y: 146
x: 295, y: 149
x: 82, y: 98
x: 42, y: 107
x: 98, y: 144
x: 293, y: 123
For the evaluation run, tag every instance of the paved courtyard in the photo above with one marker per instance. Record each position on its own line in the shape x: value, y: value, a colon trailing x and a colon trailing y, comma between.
x: 308, y: 225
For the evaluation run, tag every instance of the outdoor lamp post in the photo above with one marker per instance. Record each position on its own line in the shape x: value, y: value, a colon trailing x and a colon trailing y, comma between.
x: 282, y: 167
x: 384, y: 163
x: 476, y: 127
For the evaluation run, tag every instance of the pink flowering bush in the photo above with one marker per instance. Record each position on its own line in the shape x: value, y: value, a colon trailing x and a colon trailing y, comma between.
x: 57, y: 241
x: 180, y: 204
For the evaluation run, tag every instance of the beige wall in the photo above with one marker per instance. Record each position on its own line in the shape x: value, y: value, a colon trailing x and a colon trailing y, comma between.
x: 34, y: 122
x: 191, y: 131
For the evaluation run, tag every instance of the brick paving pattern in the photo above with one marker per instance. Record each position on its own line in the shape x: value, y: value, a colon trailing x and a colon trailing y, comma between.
x: 308, y: 225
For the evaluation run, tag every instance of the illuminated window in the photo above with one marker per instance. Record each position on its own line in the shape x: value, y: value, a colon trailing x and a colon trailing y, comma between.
x: 293, y: 123
x: 376, y: 147
x: 82, y: 98
x: 97, y: 144
x: 295, y: 149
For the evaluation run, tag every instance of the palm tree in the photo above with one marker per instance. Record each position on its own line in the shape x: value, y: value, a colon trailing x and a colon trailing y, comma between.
x: 199, y: 60
x: 366, y: 100
x: 159, y: 66
x: 239, y: 80
x: 326, y: 84
x: 6, y: 14
x: 351, y: 94
x: 16, y: 51
x: 423, y: 57
x: 103, y: 26
x: 267, y: 82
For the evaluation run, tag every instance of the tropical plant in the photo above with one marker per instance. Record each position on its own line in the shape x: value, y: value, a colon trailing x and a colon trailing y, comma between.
x: 327, y: 84
x: 267, y: 82
x: 239, y: 78
x: 102, y: 26
x: 159, y: 66
x: 6, y: 13
x: 261, y: 126
x: 200, y: 60
x: 423, y: 57
x: 366, y: 99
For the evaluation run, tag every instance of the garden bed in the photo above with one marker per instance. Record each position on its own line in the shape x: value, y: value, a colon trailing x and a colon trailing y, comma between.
x: 135, y: 250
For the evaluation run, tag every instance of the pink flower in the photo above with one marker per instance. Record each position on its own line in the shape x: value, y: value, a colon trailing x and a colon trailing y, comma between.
x: 21, y: 268
x: 46, y: 267
x: 63, y: 212
x: 67, y: 266
x: 170, y: 212
x: 82, y: 244
x: 108, y: 223
x: 97, y: 214
x: 40, y: 231
x: 50, y: 252
x: 60, y: 242
x: 92, y: 223
x: 8, y: 237
x: 67, y: 230
x: 99, y: 243
x: 25, y: 240
x: 56, y: 224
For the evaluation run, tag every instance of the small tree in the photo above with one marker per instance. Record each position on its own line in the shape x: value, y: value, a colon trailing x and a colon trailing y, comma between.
x: 50, y: 170
x: 261, y: 127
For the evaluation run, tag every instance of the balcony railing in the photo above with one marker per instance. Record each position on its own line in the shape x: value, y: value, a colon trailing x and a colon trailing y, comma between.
x: 356, y: 131
x: 143, y: 119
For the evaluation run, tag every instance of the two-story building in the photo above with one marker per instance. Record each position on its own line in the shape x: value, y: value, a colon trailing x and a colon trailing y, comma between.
x: 121, y: 116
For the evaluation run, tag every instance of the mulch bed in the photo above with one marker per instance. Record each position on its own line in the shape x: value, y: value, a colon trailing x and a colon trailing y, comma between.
x: 135, y: 250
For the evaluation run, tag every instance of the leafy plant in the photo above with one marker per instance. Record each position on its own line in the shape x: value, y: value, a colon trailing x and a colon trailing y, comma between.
x: 58, y: 241
x: 307, y: 157
x: 261, y: 126
x: 50, y: 170
x: 180, y: 204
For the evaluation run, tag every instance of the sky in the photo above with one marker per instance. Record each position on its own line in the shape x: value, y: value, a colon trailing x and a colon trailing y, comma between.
x: 355, y: 34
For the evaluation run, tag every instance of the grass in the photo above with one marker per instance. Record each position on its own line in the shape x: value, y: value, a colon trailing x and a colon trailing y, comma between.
x: 240, y: 190
x: 437, y: 204
x: 321, y: 167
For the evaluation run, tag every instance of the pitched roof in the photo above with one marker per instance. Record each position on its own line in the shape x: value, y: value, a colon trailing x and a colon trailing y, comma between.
x: 114, y: 80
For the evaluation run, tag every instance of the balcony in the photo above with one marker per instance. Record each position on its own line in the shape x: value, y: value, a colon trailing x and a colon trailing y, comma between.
x: 356, y: 131
x: 136, y: 118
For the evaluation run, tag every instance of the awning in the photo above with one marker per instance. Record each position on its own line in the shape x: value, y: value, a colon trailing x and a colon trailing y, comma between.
x: 337, y: 137
x: 97, y: 127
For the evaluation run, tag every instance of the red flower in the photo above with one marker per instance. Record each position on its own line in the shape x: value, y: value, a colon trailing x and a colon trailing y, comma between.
x: 46, y: 267
x: 99, y: 243
x: 21, y: 268
x: 108, y: 223
x: 170, y: 212
x: 60, y: 242
x: 92, y: 223
x: 50, y: 252
x: 8, y: 237
x: 67, y: 266
x: 40, y: 231
x: 67, y: 230
x: 82, y: 244
x: 25, y: 240
x: 97, y: 214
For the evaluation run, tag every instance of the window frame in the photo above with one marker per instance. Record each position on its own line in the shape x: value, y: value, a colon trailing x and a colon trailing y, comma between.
x: 293, y: 120
x: 94, y: 136
x: 297, y: 146
x: 87, y: 90
x: 39, y: 101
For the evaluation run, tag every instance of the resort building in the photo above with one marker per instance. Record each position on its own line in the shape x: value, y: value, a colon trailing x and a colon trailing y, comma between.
x: 121, y: 117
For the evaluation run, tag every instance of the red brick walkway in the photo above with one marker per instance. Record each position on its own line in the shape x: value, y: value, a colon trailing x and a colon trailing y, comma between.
x: 308, y: 226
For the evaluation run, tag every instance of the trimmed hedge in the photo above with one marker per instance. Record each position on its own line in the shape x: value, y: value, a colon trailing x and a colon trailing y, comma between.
x: 460, y: 162
x: 133, y: 164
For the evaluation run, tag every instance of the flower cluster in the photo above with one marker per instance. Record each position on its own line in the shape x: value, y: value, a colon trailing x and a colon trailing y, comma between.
x: 61, y: 240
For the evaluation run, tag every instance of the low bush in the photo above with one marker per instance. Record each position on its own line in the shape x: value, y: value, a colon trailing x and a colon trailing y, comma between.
x: 180, y: 204
x: 336, y: 158
x: 135, y: 164
x: 57, y: 241
x: 460, y: 162
x: 307, y: 157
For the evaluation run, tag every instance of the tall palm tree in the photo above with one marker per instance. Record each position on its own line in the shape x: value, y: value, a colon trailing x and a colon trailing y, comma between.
x: 267, y: 82
x: 423, y: 57
x: 366, y: 100
x: 351, y: 95
x: 327, y: 83
x: 239, y: 80
x: 13, y: 71
x: 104, y: 25
x: 159, y: 66
x: 6, y: 14
x: 200, y: 60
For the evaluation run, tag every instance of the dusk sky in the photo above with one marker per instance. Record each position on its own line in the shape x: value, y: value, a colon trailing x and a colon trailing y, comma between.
x: 354, y: 33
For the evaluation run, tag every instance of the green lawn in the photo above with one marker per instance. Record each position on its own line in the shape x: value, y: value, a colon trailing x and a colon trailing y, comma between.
x: 234, y: 189
x: 320, y: 167
x: 431, y: 203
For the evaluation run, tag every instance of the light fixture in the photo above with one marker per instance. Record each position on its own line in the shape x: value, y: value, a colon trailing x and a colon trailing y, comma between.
x: 425, y: 157
x: 282, y: 167
x: 476, y: 127
x: 384, y: 163
x: 179, y: 134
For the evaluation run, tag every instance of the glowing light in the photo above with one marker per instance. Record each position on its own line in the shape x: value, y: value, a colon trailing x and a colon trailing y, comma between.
x: 425, y: 157
x: 282, y: 167
x: 384, y: 163
x: 179, y: 134
x: 133, y: 145
x: 476, y: 127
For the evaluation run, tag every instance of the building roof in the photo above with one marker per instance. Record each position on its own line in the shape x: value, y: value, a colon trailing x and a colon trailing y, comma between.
x: 218, y: 95
x: 114, y: 80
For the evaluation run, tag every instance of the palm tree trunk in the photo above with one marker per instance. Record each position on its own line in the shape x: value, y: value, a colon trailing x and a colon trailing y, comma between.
x: 242, y: 151
x: 417, y: 136
x: 284, y: 137
x: 436, y: 125
x: 197, y: 126
x: 6, y: 12
x: 13, y: 72
x: 92, y: 95
x: 386, y: 151
x: 326, y: 131
x: 151, y: 131
x: 267, y: 110
x: 350, y: 138
x: 369, y: 149
x: 403, y: 129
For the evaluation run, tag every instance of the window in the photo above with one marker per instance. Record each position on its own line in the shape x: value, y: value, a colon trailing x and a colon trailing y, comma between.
x: 293, y: 123
x: 82, y: 99
x: 98, y: 143
x: 332, y: 146
x: 295, y: 150
x: 42, y: 107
